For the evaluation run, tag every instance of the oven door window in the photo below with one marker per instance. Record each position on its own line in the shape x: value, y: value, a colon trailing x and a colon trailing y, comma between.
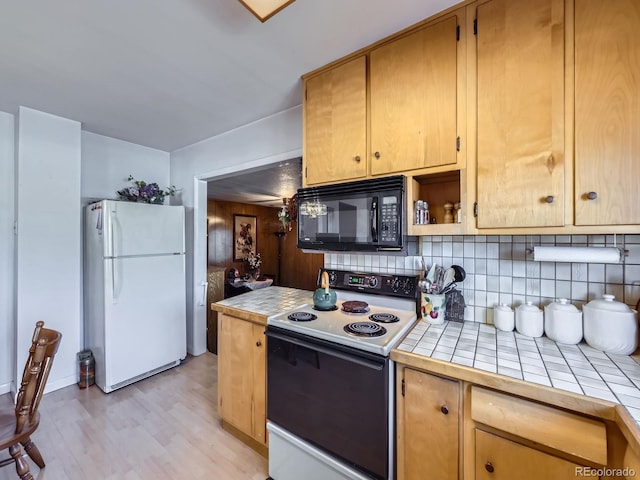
x: 333, y: 397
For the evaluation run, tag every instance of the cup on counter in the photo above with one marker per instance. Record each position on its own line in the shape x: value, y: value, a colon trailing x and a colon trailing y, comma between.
x: 503, y: 318
x: 433, y: 307
x: 529, y: 320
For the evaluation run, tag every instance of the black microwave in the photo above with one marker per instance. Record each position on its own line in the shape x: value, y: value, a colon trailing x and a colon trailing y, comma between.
x: 361, y: 216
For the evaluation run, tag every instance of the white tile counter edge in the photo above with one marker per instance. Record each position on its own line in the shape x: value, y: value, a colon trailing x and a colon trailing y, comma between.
x: 580, y: 368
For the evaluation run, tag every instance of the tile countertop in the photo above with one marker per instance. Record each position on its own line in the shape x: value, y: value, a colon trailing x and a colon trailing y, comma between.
x: 579, y: 369
x: 257, y: 305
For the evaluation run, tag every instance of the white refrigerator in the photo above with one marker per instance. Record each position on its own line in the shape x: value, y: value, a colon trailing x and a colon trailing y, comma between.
x: 134, y: 290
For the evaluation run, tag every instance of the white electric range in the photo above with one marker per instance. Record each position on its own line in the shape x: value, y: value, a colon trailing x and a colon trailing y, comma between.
x: 330, y: 381
x: 373, y: 312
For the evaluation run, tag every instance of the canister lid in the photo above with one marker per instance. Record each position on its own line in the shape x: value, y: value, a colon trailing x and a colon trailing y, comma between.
x: 528, y: 307
x: 561, y: 305
x: 608, y: 303
x: 503, y: 307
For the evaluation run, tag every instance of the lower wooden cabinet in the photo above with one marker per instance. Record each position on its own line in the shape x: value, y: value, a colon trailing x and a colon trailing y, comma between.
x: 449, y: 428
x: 501, y: 459
x: 242, y: 377
x: 428, y: 424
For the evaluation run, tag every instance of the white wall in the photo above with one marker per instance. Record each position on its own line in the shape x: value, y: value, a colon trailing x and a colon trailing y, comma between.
x: 107, y: 162
x: 48, y: 280
x: 7, y: 218
x: 59, y: 169
x: 269, y: 140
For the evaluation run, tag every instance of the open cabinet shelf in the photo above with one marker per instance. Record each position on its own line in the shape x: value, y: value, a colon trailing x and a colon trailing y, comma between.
x: 437, y: 189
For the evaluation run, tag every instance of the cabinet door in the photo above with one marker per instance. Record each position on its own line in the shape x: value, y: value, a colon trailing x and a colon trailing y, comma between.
x: 501, y: 459
x: 413, y: 100
x: 520, y: 70
x: 607, y: 128
x: 335, y: 124
x: 428, y: 427
x: 242, y: 376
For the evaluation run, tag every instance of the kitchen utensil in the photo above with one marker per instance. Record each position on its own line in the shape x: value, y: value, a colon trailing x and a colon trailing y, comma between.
x: 563, y: 322
x: 425, y: 285
x: 447, y: 278
x: 529, y: 320
x: 449, y: 288
x: 324, y: 298
x: 461, y: 274
x: 610, y: 326
x: 503, y: 318
x: 431, y: 276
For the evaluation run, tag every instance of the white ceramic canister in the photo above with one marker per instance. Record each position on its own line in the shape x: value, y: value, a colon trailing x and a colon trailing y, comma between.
x: 610, y: 326
x: 563, y: 322
x: 503, y: 318
x: 529, y: 320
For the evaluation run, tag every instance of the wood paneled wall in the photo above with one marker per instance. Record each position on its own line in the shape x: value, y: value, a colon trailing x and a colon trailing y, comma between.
x: 298, y: 269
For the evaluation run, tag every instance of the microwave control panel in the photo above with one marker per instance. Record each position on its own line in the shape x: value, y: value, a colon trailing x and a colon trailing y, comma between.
x: 390, y: 221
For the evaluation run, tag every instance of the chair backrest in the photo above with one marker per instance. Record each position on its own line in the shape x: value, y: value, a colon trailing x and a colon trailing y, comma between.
x: 44, y: 346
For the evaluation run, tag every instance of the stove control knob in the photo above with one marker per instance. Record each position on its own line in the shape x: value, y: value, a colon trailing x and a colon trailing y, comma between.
x: 408, y: 286
x: 332, y: 278
x: 396, y: 284
x: 373, y: 282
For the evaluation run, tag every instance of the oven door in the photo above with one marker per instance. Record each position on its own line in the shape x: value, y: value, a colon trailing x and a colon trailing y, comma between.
x: 334, y: 397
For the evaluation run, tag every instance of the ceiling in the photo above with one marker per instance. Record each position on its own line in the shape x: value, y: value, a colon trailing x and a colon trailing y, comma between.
x: 166, y: 74
x: 265, y: 186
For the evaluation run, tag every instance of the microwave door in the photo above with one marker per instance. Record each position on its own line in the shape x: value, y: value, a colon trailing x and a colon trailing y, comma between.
x: 373, y: 218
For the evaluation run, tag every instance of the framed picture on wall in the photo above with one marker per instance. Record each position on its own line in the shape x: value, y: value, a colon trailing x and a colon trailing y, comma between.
x: 245, y: 235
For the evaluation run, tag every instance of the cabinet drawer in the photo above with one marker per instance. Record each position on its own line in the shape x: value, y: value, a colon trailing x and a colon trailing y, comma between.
x: 500, y: 459
x: 573, y: 434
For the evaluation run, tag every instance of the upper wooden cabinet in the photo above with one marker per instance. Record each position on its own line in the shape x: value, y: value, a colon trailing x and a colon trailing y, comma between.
x: 520, y: 113
x: 413, y: 100
x: 607, y: 112
x: 336, y: 123
x: 399, y: 113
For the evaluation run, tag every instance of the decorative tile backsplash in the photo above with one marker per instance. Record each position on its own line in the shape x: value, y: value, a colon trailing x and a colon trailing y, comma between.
x: 500, y: 269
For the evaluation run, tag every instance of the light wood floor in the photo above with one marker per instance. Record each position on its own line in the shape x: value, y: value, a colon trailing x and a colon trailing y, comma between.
x: 163, y: 428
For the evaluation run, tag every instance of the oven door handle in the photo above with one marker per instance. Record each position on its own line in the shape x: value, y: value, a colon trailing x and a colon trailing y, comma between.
x: 328, y: 351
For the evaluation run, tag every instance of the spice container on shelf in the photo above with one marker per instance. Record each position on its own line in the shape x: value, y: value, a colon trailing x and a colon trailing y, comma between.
x: 422, y: 216
x: 448, y: 212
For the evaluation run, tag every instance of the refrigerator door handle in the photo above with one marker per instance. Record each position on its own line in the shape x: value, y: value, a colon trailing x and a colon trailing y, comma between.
x: 113, y: 281
x: 204, y: 292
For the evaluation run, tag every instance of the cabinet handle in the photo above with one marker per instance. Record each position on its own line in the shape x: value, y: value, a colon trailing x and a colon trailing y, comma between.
x: 488, y: 467
x: 377, y: 154
x: 444, y: 409
x: 258, y: 343
x: 592, y: 195
x: 357, y: 159
x: 549, y: 199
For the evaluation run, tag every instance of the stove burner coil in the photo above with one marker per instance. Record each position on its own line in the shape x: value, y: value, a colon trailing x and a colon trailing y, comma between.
x: 384, y: 318
x: 355, y: 306
x: 302, y: 317
x: 365, y: 329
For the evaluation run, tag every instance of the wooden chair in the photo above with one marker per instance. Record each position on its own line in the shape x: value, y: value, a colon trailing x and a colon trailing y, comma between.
x: 17, y: 426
